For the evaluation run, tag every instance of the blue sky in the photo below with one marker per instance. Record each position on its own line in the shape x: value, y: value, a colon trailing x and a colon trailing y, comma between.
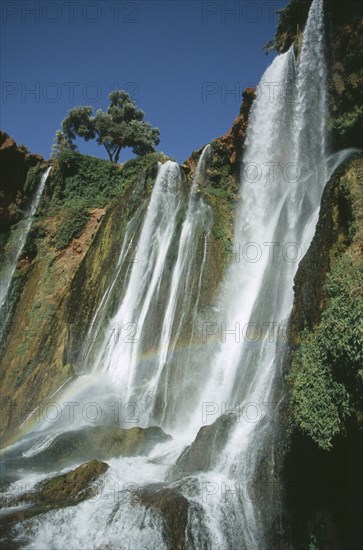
x: 184, y: 62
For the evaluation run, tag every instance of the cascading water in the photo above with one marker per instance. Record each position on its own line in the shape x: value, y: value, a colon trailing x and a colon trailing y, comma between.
x: 283, y: 177
x: 280, y: 199
x: 19, y: 239
x: 156, y: 285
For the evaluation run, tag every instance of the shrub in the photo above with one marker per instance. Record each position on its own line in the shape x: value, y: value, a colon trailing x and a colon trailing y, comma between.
x: 82, y: 181
x: 327, y: 382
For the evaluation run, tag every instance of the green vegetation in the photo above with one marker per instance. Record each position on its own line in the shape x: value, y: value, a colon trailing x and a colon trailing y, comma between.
x: 32, y: 179
x: 82, y: 181
x: 348, y: 127
x: 122, y: 125
x: 327, y: 373
x: 72, y: 225
x: 291, y: 23
x: 222, y: 194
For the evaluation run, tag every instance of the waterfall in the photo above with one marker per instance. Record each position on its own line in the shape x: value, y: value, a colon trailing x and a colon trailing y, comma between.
x: 119, y: 355
x: 278, y: 211
x: 282, y: 179
x: 19, y: 237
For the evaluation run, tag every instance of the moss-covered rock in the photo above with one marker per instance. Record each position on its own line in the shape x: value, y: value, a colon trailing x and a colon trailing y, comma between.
x: 70, y: 488
x: 56, y: 492
x: 82, y: 181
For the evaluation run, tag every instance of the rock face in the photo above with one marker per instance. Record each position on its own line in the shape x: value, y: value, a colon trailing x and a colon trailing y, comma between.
x: 332, y: 238
x: 232, y: 143
x: 182, y: 518
x: 15, y: 164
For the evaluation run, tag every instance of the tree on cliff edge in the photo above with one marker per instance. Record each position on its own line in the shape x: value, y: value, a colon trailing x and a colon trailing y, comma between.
x: 61, y: 144
x: 122, y: 125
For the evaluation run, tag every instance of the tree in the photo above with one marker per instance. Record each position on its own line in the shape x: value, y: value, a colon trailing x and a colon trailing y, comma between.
x: 122, y: 125
x: 61, y: 144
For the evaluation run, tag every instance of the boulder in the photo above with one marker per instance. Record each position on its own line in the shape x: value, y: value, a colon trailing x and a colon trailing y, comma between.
x: 202, y: 454
x: 54, y: 493
x: 173, y: 508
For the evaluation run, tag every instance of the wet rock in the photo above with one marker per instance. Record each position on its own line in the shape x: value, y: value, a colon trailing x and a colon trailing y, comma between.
x: 183, y: 519
x: 56, y: 492
x: 173, y: 508
x: 202, y: 454
x: 91, y: 442
x: 73, y: 487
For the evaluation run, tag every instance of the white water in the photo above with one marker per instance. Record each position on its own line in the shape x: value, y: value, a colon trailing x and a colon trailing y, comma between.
x: 287, y: 132
x: 19, y: 237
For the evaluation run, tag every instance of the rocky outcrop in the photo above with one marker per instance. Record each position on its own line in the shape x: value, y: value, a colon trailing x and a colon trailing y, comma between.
x: 172, y: 507
x: 54, y: 493
x: 230, y: 145
x: 181, y: 517
x: 15, y: 164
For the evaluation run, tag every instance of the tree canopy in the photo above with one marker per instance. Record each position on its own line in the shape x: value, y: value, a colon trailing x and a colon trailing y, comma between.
x: 122, y: 125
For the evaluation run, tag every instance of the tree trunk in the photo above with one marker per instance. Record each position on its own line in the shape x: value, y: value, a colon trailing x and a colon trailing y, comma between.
x: 117, y: 156
x: 109, y: 153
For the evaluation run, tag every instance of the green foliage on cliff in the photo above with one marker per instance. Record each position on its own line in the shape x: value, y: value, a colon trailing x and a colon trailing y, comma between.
x: 348, y: 127
x: 83, y: 181
x: 222, y: 194
x: 32, y: 179
x: 291, y: 23
x: 72, y: 225
x: 327, y: 373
